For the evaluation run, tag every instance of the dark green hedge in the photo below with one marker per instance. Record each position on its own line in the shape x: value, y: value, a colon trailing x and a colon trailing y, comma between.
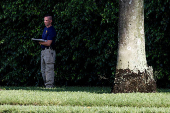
x: 86, y: 40
x: 157, y: 30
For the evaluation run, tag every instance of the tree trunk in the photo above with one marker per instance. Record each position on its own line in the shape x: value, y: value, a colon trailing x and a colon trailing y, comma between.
x: 132, y: 72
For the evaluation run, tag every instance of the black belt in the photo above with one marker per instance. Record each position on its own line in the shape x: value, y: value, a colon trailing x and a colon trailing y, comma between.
x: 47, y: 48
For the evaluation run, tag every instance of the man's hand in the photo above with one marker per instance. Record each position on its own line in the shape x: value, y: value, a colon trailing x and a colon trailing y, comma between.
x: 48, y: 43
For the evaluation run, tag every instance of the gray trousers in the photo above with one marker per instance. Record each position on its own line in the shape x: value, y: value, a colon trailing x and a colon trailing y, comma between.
x: 47, y: 66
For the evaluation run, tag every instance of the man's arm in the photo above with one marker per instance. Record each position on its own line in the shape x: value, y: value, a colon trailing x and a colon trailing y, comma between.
x: 48, y: 43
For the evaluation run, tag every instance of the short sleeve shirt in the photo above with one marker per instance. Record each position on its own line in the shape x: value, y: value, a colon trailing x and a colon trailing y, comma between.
x: 49, y: 34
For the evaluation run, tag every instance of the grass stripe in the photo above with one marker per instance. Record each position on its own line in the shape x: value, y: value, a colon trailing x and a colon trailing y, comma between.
x: 80, y: 109
x: 79, y: 96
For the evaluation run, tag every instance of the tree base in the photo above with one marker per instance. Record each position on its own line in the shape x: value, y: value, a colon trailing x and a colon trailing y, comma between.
x: 127, y: 81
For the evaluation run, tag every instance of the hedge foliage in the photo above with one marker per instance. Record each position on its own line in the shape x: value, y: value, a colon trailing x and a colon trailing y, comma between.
x: 157, y: 30
x: 87, y: 32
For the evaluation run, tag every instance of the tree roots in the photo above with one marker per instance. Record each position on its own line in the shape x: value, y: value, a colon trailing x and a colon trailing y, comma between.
x: 126, y: 81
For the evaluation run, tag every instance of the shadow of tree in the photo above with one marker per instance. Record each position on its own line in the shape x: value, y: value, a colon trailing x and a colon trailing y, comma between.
x: 163, y: 90
x: 98, y: 90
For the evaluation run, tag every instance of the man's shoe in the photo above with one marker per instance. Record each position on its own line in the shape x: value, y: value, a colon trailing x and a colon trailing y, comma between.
x: 49, y: 87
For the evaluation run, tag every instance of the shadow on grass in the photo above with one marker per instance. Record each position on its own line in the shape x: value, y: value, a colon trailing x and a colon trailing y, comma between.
x: 98, y: 90
x: 163, y: 90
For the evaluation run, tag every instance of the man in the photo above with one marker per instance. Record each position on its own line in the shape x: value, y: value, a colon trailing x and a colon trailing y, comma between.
x: 48, y: 52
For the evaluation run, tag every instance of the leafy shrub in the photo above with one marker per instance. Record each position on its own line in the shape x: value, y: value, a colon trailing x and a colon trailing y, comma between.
x: 86, y: 40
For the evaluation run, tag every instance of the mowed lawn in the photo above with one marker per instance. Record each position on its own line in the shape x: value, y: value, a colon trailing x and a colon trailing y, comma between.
x: 81, y: 100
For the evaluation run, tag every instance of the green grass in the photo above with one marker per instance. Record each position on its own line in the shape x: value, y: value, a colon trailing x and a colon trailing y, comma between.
x: 81, y: 99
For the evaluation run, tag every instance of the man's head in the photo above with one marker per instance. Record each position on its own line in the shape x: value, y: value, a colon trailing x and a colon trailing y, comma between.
x: 48, y: 20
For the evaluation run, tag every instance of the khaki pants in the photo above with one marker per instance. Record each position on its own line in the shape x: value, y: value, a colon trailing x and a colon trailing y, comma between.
x: 47, y: 66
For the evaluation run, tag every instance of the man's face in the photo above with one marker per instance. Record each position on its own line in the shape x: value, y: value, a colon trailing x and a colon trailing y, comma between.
x: 47, y: 22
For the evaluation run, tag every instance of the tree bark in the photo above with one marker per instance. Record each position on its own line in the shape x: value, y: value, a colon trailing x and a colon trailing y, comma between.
x: 132, y: 72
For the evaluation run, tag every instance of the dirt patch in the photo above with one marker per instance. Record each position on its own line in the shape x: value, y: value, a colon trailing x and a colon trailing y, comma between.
x: 127, y: 82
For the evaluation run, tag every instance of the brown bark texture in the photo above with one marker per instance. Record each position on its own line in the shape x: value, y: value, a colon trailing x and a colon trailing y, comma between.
x: 128, y: 82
